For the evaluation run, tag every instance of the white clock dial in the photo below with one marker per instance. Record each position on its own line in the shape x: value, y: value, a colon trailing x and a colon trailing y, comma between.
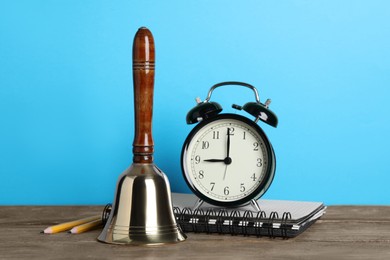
x: 227, y: 159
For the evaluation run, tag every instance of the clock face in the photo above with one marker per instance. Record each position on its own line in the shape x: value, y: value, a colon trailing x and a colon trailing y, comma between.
x: 228, y: 160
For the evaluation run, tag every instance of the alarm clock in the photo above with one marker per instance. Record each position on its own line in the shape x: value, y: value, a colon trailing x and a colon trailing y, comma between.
x: 227, y: 160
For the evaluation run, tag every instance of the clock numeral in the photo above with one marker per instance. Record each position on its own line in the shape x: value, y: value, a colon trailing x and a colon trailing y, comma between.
x: 205, y: 145
x: 215, y: 134
x: 255, y: 146
x: 226, y: 190
x: 197, y: 159
x: 259, y: 162
x: 231, y: 130
x: 242, y: 187
x: 212, y: 186
x: 253, y: 177
x: 201, y: 174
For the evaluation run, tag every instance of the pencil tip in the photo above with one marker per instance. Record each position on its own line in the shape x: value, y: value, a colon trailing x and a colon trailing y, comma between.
x: 48, y: 230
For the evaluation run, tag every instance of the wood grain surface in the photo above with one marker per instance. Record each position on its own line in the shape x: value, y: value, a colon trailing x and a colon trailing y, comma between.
x: 345, y: 232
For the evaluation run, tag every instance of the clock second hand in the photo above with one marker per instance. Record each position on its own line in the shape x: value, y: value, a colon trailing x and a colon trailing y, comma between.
x: 224, y: 174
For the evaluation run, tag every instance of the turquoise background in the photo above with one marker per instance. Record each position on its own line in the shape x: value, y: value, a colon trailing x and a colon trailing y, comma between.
x: 66, y: 97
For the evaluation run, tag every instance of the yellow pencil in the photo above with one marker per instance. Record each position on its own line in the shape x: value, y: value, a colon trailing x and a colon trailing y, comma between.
x: 86, y: 227
x: 68, y: 225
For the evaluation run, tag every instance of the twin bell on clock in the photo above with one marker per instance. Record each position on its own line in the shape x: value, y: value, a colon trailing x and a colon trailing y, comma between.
x: 227, y: 160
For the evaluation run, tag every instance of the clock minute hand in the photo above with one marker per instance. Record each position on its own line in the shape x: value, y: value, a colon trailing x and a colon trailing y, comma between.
x: 228, y: 143
x: 227, y: 160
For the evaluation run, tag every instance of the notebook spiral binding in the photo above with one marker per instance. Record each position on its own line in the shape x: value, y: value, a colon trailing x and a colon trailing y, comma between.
x: 224, y: 222
x: 286, y: 216
x: 274, y: 215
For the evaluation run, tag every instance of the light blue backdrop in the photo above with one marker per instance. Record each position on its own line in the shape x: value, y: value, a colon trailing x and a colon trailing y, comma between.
x: 66, y: 97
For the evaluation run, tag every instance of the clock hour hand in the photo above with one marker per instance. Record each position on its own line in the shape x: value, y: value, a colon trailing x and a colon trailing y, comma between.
x: 227, y: 160
x: 214, y: 160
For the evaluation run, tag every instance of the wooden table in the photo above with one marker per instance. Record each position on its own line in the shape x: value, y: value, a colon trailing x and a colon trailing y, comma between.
x: 345, y: 232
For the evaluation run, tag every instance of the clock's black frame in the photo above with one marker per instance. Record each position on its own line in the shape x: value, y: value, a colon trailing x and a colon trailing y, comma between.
x: 270, y: 170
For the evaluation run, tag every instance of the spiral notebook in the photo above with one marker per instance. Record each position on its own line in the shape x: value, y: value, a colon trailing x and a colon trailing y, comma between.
x: 277, y: 218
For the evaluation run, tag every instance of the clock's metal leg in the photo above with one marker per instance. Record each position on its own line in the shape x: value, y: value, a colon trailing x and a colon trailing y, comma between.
x: 255, y: 205
x: 198, y: 204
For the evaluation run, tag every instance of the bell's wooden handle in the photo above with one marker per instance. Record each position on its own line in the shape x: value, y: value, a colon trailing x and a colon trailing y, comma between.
x: 143, y: 77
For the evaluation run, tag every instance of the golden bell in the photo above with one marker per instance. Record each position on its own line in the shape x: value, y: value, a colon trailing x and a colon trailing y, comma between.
x: 142, y: 212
